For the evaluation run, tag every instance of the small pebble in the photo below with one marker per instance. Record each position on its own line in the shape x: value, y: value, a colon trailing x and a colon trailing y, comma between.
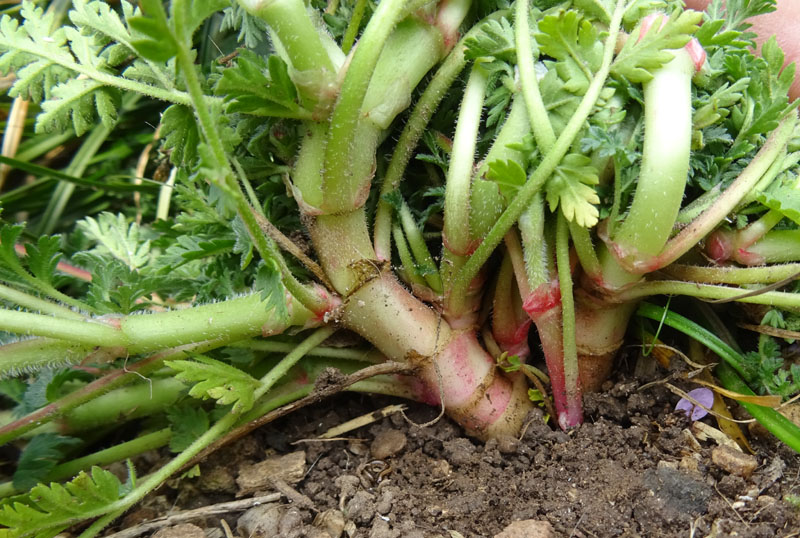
x: 331, y: 521
x: 185, y: 530
x: 260, y: 521
x: 733, y: 461
x: 528, y: 528
x: 387, y: 443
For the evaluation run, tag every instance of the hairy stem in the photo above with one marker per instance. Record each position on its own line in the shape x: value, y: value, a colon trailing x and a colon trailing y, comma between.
x: 545, y: 168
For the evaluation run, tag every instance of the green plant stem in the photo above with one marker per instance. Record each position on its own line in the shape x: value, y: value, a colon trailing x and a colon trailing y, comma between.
x: 549, y: 162
x: 142, y: 399
x: 710, y: 340
x: 85, y: 332
x: 412, y: 132
x: 266, y: 248
x: 143, y: 443
x: 582, y: 241
x: 295, y: 30
x: 409, y: 271
x: 424, y: 260
x: 539, y: 118
x: 115, y: 379
x: 273, y: 346
x: 777, y: 246
x: 36, y: 304
x: 733, y: 275
x: 571, y: 373
x: 777, y: 299
x: 339, y: 188
x: 777, y: 424
x: 665, y: 160
x: 150, y: 441
x: 304, y: 347
x: 538, y: 256
x: 353, y: 25
x: 689, y: 236
x: 459, y: 172
x: 109, y: 513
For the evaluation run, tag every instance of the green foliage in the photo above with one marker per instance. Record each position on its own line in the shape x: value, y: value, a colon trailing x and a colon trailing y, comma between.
x: 259, y: 86
x: 643, y: 53
x: 494, y: 39
x: 40, y: 456
x: 113, y: 235
x: 180, y: 134
x: 571, y: 189
x: 47, y: 510
x: 188, y: 422
x: 216, y: 380
x: 575, y: 43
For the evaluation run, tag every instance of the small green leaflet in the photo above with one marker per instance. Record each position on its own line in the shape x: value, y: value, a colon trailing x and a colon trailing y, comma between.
x: 574, y: 42
x: 47, y: 510
x: 155, y: 40
x: 494, y: 39
x: 32, y: 51
x: 268, y: 282
x: 784, y: 199
x: 41, y: 455
x: 180, y: 134
x: 258, y: 87
x: 508, y: 175
x: 115, y: 236
x: 216, y: 380
x: 570, y: 188
x: 188, y: 422
x: 640, y: 55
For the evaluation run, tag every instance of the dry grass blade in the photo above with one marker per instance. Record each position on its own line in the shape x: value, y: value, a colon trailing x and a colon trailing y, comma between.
x: 15, y: 125
x: 770, y: 331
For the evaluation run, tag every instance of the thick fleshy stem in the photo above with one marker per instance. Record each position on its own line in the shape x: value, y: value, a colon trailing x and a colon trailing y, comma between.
x: 452, y: 367
x: 510, y: 324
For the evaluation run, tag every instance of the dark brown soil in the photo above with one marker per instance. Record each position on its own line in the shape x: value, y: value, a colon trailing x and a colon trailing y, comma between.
x: 631, y: 470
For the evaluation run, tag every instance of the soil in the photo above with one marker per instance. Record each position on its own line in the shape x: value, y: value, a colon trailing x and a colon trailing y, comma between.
x: 633, y: 469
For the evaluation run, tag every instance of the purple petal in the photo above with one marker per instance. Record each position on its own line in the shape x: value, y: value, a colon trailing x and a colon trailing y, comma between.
x: 703, y: 396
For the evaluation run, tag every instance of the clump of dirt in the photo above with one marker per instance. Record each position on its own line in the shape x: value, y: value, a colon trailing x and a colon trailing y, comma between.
x: 633, y: 469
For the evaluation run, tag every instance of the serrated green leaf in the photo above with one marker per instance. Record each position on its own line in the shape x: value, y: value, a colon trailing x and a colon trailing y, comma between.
x: 154, y: 38
x: 9, y: 235
x: 216, y: 380
x: 198, y: 12
x: 47, y: 510
x: 77, y: 103
x: 268, y: 282
x: 39, y: 457
x: 509, y: 177
x: 115, y: 236
x: 180, y: 134
x: 43, y: 257
x: 494, y: 39
x: 188, y: 422
x: 568, y: 37
x: 784, y: 199
x: 641, y: 54
x: 570, y: 188
x: 259, y: 87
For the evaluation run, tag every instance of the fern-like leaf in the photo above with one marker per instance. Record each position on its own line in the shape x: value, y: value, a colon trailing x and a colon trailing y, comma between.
x: 216, y: 380
x: 641, y: 54
x: 47, y: 510
x: 115, y: 236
